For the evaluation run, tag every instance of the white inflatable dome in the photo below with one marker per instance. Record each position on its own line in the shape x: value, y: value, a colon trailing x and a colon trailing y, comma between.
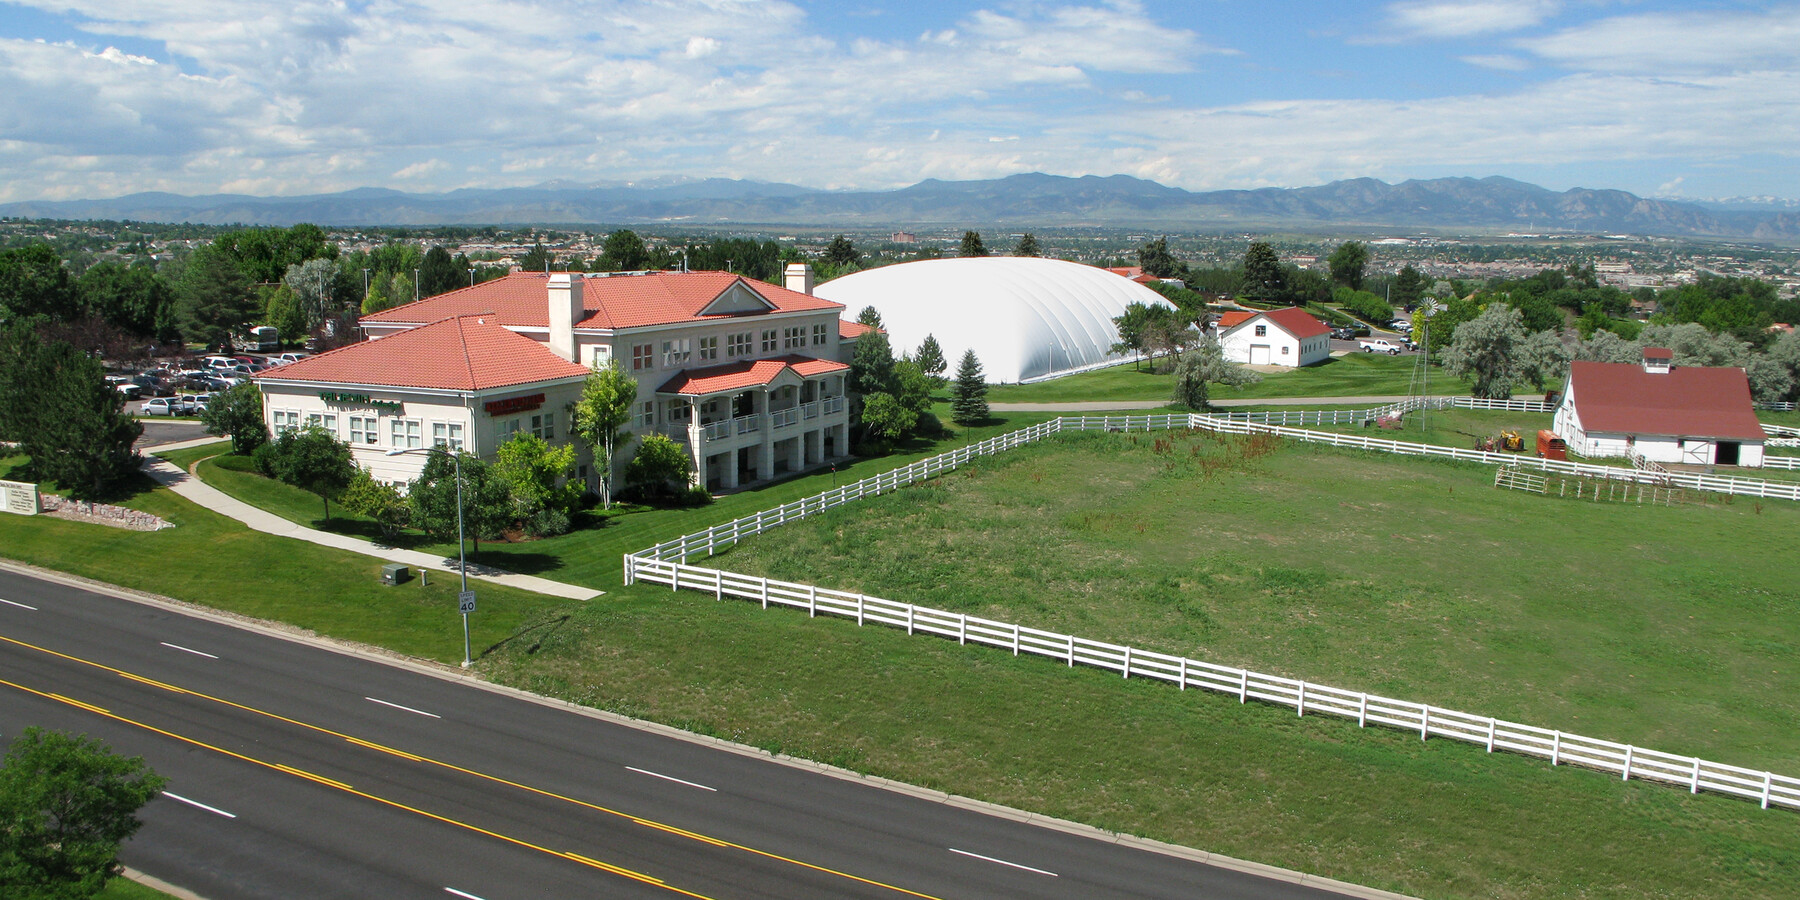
x: 1027, y: 319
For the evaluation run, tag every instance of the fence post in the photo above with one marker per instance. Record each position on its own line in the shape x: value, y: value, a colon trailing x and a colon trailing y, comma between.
x: 1184, y: 673
x: 1015, y: 639
x: 675, y: 575
x: 1071, y: 651
x: 1768, y: 782
x: 765, y: 592
x: 1301, y: 705
x: 1243, y: 685
x: 910, y: 609
x: 1694, y: 783
x: 862, y: 601
x: 962, y: 630
x: 1424, y: 720
x: 812, y: 601
x: 1125, y: 670
x: 630, y: 569
x: 1626, y: 775
x: 1556, y: 749
x: 718, y: 584
x: 1490, y: 747
x: 1362, y: 710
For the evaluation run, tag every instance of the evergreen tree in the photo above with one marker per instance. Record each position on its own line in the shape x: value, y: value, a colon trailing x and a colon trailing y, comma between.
x: 537, y: 259
x: 65, y: 416
x: 869, y: 316
x: 34, y: 282
x: 872, y: 366
x: 1409, y: 287
x: 1264, y: 278
x: 214, y: 298
x: 968, y: 399
x: 623, y: 251
x: 439, y: 273
x: 1157, y: 262
x: 930, y: 360
x: 841, y: 253
x: 1028, y: 246
x: 1347, y: 263
x: 972, y: 245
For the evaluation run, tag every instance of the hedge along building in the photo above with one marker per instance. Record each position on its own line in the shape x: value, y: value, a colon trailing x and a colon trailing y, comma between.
x: 1666, y: 413
x: 748, y: 375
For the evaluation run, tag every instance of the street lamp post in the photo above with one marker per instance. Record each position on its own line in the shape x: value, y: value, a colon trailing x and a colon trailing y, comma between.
x: 465, y: 598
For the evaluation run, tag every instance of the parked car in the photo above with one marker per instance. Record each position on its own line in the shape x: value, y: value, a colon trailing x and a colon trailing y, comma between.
x: 163, y: 406
x: 218, y: 362
x: 153, y: 386
x: 124, y: 386
x: 1344, y: 333
x: 286, y: 358
x: 200, y: 402
x: 188, y: 404
x: 1404, y: 326
x: 1378, y: 345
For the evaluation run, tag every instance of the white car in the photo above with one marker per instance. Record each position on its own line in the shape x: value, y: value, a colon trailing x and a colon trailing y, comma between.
x: 1378, y: 345
x: 164, y: 406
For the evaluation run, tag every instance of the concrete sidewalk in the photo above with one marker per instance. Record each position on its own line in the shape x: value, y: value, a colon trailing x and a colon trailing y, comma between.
x: 266, y: 522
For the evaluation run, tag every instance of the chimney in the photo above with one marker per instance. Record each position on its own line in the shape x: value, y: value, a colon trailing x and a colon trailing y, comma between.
x: 800, y: 278
x: 1657, y: 360
x: 565, y: 311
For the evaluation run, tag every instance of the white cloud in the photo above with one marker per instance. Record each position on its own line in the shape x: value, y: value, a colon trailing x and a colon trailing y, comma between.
x: 1441, y: 19
x: 1500, y: 61
x: 1685, y: 43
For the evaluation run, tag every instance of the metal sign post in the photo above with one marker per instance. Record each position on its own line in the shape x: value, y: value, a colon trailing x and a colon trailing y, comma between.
x: 465, y: 604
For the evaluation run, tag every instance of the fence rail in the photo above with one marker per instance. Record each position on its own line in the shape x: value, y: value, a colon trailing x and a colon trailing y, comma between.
x: 1561, y: 748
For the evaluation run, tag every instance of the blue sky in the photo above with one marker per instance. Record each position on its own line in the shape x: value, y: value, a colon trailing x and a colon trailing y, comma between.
x: 107, y: 97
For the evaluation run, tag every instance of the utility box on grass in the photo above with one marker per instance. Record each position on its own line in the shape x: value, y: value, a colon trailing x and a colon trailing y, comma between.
x: 394, y: 573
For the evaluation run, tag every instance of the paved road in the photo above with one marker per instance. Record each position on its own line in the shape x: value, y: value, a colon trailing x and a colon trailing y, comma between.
x: 298, y: 771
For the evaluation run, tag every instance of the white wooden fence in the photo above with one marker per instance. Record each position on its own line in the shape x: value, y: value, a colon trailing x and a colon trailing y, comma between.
x: 666, y: 563
x: 1304, y: 697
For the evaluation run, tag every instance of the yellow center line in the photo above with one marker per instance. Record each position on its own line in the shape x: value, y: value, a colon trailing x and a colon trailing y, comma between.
x: 338, y: 785
x: 495, y: 779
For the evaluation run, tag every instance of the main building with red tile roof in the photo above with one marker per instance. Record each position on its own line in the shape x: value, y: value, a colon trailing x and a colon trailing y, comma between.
x: 749, y: 375
x: 1665, y: 413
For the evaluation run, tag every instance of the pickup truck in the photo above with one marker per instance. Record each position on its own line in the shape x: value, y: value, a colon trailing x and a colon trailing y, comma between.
x: 1378, y: 345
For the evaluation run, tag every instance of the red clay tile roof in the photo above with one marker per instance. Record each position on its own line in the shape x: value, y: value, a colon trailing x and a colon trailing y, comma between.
x: 521, y: 300
x: 852, y: 330
x: 747, y: 374
x: 464, y: 353
x: 1297, y: 322
x: 1621, y: 398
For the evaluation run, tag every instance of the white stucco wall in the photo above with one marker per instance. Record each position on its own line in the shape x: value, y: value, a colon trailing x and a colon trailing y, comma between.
x: 1284, y: 348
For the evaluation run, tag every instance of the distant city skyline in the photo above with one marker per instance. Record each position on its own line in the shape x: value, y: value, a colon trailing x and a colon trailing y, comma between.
x: 1666, y: 99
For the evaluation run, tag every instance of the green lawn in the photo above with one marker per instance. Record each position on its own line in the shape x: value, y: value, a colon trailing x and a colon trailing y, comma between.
x: 1663, y: 627
x: 125, y: 889
x: 1352, y: 375
x: 590, y: 555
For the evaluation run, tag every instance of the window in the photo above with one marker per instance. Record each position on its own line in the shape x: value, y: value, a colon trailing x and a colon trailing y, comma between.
x: 818, y: 335
x: 362, y: 430
x: 646, y: 416
x: 709, y: 348
x: 768, y: 341
x: 285, y: 420
x: 642, y: 356
x: 448, y: 435
x: 1284, y: 349
x: 792, y: 338
x: 504, y: 429
x: 1262, y: 331
x: 544, y: 426
x: 739, y: 345
x: 326, y: 421
x: 676, y: 352
x: 408, y: 434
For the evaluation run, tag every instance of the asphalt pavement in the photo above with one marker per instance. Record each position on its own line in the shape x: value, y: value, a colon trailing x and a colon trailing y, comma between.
x: 300, y: 769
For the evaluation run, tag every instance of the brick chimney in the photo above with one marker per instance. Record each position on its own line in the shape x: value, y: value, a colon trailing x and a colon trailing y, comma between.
x: 565, y: 310
x: 1657, y: 360
x: 800, y: 278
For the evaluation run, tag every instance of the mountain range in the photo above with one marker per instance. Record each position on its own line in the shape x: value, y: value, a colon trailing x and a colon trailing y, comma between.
x: 1033, y: 200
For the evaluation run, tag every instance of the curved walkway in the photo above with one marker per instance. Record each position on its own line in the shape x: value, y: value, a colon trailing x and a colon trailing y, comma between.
x: 203, y: 494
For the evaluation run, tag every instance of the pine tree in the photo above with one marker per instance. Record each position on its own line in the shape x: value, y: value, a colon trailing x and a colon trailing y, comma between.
x: 930, y: 360
x: 972, y: 245
x: 968, y: 400
x: 1028, y: 246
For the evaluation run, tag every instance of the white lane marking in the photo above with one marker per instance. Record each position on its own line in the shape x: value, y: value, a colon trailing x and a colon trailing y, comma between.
x: 19, y: 605
x: 671, y: 778
x: 1004, y: 862
x: 463, y: 894
x: 407, y: 708
x: 186, y: 650
x: 197, y: 804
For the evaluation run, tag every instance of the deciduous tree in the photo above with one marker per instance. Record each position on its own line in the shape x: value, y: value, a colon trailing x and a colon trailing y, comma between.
x: 311, y: 459
x: 660, y: 468
x: 1495, y: 353
x: 886, y: 417
x: 486, y: 503
x: 34, y: 282
x: 600, y: 417
x: 535, y: 475
x: 1203, y: 366
x: 623, y: 251
x: 237, y: 412
x: 439, y: 273
x: 384, y: 503
x: 66, y: 804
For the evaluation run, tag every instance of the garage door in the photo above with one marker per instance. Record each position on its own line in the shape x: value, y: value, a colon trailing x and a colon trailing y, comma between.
x: 1259, y: 354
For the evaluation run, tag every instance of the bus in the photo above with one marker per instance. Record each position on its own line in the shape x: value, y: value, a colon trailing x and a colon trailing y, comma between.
x: 261, y: 339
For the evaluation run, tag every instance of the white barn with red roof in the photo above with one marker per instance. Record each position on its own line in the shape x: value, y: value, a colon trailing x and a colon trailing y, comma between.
x: 748, y: 375
x: 1276, y: 337
x: 1668, y: 414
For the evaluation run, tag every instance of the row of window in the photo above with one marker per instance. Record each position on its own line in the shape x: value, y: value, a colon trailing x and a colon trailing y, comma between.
x: 365, y: 431
x: 677, y: 352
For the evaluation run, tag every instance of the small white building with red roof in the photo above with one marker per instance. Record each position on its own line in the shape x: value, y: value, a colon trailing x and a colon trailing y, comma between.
x: 750, y: 376
x: 1277, y: 337
x: 1668, y: 414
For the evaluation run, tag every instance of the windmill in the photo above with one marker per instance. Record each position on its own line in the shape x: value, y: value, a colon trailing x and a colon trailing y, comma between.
x: 1422, y: 362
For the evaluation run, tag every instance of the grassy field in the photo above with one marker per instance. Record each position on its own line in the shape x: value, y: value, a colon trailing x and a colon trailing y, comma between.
x: 126, y: 889
x: 590, y: 554
x: 1663, y: 627
x: 1352, y: 375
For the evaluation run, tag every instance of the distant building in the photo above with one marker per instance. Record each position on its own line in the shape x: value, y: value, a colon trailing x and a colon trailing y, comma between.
x: 1666, y: 413
x: 903, y: 237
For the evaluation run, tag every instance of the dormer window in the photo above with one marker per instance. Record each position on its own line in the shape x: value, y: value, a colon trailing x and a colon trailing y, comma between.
x: 1658, y: 360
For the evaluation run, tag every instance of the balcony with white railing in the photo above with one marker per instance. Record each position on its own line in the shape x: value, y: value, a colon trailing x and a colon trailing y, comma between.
x: 809, y: 410
x: 718, y: 431
x: 834, y: 405
x: 747, y: 424
x: 782, y: 418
